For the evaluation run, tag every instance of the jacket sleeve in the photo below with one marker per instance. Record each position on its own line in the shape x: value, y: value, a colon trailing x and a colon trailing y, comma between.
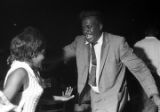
x: 137, y: 68
x: 70, y: 49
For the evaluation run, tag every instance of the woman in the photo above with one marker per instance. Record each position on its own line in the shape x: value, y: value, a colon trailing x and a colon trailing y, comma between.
x: 22, y: 84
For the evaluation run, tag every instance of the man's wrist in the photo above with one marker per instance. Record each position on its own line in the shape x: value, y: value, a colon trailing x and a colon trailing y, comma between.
x: 154, y: 97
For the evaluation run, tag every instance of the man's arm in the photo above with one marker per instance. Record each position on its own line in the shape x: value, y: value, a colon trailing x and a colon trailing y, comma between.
x: 140, y: 71
x: 138, y: 68
x: 66, y: 53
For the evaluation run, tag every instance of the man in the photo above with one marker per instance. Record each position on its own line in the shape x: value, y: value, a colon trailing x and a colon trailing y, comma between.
x: 148, y: 49
x: 109, y: 93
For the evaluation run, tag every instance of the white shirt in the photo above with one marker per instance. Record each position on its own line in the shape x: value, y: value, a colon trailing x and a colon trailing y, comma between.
x: 151, y: 46
x: 97, y: 49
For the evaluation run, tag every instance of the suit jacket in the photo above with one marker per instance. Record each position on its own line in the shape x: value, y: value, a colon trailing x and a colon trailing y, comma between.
x: 116, y: 55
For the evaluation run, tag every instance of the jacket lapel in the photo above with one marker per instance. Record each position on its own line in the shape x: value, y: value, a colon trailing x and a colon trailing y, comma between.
x: 85, y: 60
x: 86, y: 54
x: 104, y: 51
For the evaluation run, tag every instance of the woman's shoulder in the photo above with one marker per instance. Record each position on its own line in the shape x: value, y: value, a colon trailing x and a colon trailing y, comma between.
x: 18, y: 75
x: 17, y: 72
x: 22, y: 65
x: 19, y: 64
x: 22, y: 71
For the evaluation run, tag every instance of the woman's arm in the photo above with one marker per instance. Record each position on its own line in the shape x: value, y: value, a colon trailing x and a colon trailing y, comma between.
x: 65, y: 95
x: 15, y: 81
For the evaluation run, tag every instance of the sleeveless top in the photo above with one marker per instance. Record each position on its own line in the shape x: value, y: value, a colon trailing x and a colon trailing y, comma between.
x: 31, y: 95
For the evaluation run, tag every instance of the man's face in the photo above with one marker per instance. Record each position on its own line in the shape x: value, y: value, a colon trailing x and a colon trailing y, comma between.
x: 91, y: 28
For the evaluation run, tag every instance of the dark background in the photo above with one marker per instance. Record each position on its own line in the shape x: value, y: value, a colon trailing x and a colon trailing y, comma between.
x: 58, y: 21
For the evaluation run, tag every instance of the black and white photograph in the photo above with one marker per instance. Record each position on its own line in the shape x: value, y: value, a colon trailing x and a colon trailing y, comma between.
x: 80, y: 56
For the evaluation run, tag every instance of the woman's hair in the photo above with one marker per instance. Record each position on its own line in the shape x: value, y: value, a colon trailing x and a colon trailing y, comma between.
x: 26, y: 45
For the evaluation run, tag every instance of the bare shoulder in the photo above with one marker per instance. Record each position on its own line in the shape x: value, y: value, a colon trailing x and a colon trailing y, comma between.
x: 14, y: 82
x: 18, y: 76
x: 19, y: 73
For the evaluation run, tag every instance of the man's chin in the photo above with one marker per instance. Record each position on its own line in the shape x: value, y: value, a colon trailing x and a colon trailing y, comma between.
x: 89, y: 40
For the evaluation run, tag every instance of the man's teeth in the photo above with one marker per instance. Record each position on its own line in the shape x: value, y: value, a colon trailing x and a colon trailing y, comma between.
x: 89, y: 36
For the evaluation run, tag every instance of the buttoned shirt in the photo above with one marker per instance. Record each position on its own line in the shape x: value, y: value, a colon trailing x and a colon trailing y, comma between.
x: 151, y: 47
x: 97, y: 48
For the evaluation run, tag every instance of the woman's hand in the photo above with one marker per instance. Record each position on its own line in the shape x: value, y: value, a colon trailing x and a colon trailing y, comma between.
x: 67, y: 95
x: 68, y: 92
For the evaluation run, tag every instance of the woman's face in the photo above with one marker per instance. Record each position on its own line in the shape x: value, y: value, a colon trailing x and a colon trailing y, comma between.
x: 37, y: 61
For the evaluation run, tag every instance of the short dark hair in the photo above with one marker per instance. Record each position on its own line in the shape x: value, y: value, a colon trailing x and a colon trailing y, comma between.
x: 152, y: 30
x: 97, y: 14
x: 26, y: 45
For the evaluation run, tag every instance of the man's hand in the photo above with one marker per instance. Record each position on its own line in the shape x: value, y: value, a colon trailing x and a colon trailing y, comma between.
x: 156, y: 100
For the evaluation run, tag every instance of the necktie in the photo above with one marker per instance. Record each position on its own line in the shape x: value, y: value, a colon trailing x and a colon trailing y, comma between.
x: 92, y: 73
